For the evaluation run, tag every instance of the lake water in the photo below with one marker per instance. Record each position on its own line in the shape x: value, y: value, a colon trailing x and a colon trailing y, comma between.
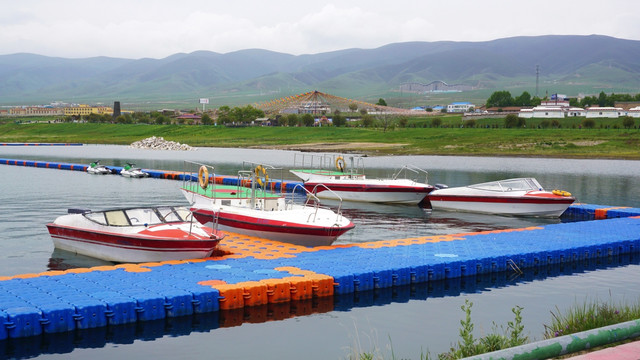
x: 408, y: 321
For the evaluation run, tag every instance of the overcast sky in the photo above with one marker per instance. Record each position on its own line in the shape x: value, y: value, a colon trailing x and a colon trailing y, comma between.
x: 156, y: 29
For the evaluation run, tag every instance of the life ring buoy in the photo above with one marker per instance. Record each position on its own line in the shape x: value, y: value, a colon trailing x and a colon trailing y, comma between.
x: 561, y: 193
x: 261, y: 170
x: 340, y: 164
x: 203, y: 177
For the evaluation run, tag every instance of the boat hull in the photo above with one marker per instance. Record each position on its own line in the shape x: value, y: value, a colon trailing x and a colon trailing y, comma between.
x: 502, y: 205
x: 274, y: 229
x: 370, y: 192
x: 359, y: 188
x: 291, y: 223
x: 127, y: 248
x: 132, y: 243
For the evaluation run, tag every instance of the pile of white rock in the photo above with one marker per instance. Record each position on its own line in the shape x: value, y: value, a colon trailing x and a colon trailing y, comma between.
x: 159, y: 143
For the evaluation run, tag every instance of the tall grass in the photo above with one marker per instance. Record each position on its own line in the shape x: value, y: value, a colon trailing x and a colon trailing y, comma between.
x: 590, y: 315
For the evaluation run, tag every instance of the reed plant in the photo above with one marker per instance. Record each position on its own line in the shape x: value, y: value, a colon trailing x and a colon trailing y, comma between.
x: 590, y: 315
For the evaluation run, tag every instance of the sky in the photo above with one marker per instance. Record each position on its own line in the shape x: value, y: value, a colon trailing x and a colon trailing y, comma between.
x: 136, y: 29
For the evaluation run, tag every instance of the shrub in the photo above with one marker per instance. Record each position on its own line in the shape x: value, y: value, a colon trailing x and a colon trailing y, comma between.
x: 436, y: 122
x: 545, y: 124
x: 588, y: 123
x: 628, y: 122
x: 511, y: 121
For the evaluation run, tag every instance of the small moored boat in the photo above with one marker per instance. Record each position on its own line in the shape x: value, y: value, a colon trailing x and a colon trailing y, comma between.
x: 130, y: 170
x: 256, y: 211
x: 96, y: 168
x: 351, y: 184
x: 519, y: 197
x: 134, y: 234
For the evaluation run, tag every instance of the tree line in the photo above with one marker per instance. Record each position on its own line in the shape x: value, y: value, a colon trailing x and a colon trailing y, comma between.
x: 503, y: 98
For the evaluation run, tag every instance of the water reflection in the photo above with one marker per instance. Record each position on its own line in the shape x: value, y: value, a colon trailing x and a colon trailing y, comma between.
x: 67, y: 342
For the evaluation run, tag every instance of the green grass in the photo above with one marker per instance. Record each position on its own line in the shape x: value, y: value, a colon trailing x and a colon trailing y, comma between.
x: 590, y: 315
x: 416, y: 139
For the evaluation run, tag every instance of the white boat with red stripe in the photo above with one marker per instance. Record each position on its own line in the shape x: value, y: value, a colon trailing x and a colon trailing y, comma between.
x: 517, y: 197
x: 255, y: 211
x: 145, y: 234
x: 351, y: 184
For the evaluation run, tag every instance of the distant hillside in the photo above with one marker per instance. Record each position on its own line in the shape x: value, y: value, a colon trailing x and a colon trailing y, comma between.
x: 587, y: 64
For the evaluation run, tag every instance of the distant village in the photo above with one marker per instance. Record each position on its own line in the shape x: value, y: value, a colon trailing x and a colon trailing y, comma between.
x: 557, y: 107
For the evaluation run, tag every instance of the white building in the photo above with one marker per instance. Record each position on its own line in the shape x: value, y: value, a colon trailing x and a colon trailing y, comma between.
x: 576, y: 111
x: 634, y: 112
x: 457, y: 107
x: 548, y: 112
x: 604, y: 112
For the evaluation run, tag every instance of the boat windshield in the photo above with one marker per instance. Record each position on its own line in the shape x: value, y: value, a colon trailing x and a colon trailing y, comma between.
x: 140, y: 216
x: 524, y: 184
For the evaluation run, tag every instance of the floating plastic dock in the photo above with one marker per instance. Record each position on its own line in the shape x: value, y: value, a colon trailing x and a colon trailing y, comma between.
x: 254, y: 272
x: 274, y: 184
x: 41, y: 144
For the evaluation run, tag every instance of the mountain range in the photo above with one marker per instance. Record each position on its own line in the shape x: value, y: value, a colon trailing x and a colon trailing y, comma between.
x: 569, y: 63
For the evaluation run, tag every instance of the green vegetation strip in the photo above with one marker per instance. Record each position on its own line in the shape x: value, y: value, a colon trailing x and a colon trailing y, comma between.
x: 449, y: 139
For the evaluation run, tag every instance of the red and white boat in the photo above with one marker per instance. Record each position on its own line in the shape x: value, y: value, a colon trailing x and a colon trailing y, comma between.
x: 256, y: 212
x: 145, y: 234
x: 352, y: 185
x: 518, y: 197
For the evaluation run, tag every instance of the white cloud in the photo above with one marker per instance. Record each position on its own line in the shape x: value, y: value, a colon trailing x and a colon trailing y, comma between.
x: 134, y: 29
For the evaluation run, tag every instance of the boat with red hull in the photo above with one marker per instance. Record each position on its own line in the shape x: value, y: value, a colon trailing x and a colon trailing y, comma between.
x: 258, y: 212
x: 351, y: 184
x: 518, y: 197
x: 134, y: 234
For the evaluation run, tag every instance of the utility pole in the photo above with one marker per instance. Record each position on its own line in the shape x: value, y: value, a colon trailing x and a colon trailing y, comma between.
x: 537, y: 77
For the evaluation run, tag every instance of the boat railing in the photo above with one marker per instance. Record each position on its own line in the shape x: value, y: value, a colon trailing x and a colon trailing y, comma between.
x: 265, y: 172
x: 329, y: 162
x: 317, y: 201
x: 196, y: 176
x: 416, y: 171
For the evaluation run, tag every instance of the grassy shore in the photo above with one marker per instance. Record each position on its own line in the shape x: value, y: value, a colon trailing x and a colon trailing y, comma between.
x: 551, y: 142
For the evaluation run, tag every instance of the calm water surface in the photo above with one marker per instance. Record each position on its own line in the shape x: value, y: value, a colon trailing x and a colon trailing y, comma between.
x: 411, y: 320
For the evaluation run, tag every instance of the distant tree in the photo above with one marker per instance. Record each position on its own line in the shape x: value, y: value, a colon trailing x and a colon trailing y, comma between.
x: 381, y: 102
x: 523, y: 100
x: 245, y: 114
x: 367, y: 121
x: 224, y: 114
x: 628, y: 122
x: 339, y: 120
x: 292, y: 120
x: 511, y: 121
x: 602, y: 99
x: 545, y: 124
x: 500, y: 99
x: 206, y: 119
x: 470, y: 123
x: 403, y: 121
x: 363, y: 111
x: 436, y: 122
x: 353, y: 107
x: 429, y: 109
x: 307, y: 120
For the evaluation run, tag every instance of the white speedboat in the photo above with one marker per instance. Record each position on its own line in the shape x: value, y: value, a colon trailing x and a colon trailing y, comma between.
x: 130, y: 170
x: 257, y: 212
x: 143, y: 234
x: 351, y: 184
x: 519, y: 197
x: 96, y: 168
